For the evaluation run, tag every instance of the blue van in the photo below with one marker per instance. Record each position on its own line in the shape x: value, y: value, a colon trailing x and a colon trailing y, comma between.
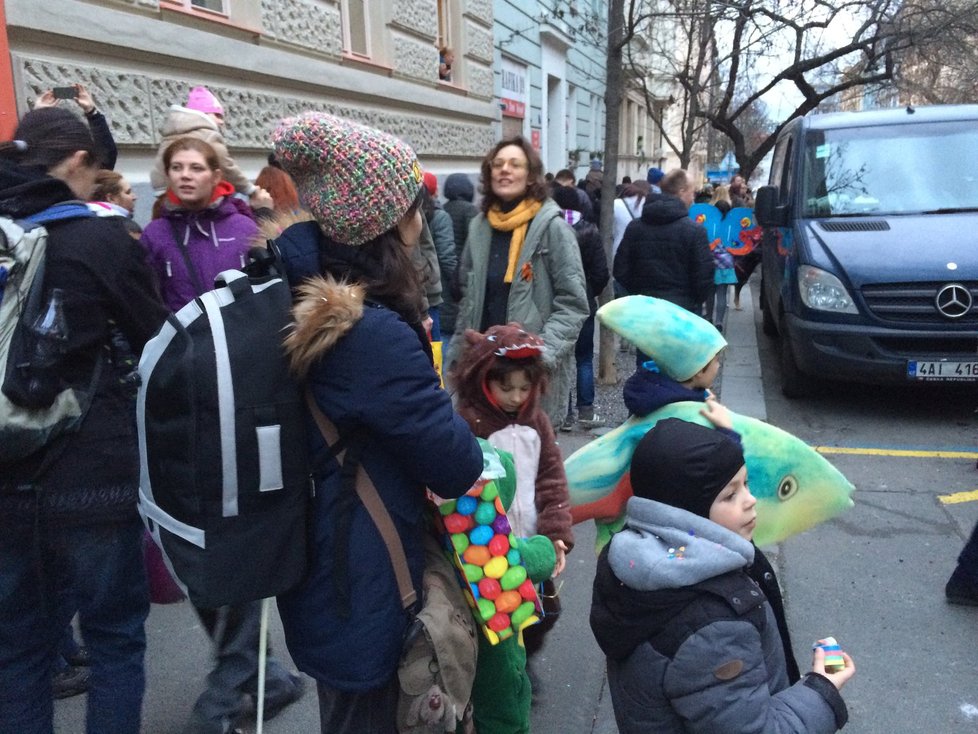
x: 870, y: 247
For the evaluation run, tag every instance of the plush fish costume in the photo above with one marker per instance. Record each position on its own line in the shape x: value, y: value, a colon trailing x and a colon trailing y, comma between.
x: 796, y: 488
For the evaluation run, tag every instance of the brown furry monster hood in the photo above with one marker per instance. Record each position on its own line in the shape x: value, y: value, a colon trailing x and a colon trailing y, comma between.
x: 324, y: 311
x: 481, y: 351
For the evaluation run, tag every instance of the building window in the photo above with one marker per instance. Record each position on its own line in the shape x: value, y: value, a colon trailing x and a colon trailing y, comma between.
x: 356, y: 32
x: 216, y: 5
x: 444, y: 24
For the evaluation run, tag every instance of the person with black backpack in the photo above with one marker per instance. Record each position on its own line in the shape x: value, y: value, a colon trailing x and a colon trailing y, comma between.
x: 69, y: 531
x: 359, y: 346
x: 595, y: 278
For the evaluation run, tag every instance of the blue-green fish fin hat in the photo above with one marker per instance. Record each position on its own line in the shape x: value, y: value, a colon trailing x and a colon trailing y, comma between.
x: 680, y: 342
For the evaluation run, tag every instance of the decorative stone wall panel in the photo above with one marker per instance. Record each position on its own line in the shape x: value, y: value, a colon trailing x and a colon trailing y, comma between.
x: 480, y: 10
x: 420, y: 16
x: 137, y: 104
x: 310, y: 24
x: 478, y: 42
x: 479, y: 80
x: 415, y: 59
x: 123, y: 97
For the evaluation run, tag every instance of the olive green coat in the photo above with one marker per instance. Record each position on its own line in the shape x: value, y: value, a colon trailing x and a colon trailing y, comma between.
x: 548, y: 298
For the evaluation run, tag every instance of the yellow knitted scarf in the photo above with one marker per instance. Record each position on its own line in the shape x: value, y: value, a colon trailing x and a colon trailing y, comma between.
x: 516, y: 221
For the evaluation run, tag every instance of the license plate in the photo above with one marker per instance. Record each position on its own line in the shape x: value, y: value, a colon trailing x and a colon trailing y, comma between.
x: 943, y: 371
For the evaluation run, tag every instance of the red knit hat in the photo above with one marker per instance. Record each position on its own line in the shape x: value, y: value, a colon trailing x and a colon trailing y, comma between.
x: 431, y: 182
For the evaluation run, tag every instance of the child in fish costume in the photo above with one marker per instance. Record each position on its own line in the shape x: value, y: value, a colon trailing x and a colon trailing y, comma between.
x: 796, y: 487
x: 690, y: 639
x: 684, y: 353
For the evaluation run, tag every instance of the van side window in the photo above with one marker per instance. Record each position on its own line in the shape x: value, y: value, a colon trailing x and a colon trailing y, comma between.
x: 781, y: 168
x: 789, y: 171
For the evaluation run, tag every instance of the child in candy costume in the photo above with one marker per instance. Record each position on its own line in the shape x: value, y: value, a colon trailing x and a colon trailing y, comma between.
x: 501, y: 692
x: 500, y: 378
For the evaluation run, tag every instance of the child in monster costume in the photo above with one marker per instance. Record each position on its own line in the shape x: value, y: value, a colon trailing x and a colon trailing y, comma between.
x: 500, y: 378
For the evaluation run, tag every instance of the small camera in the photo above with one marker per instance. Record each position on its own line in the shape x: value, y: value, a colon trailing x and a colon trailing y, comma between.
x: 64, y: 92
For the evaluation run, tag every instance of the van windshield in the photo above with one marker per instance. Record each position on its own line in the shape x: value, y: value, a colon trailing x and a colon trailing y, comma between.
x: 891, y: 169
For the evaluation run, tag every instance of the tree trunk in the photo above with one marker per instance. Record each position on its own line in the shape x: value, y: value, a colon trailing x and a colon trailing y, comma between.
x: 614, y: 83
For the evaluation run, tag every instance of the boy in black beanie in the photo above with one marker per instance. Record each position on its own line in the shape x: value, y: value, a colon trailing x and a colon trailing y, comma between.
x: 692, y: 643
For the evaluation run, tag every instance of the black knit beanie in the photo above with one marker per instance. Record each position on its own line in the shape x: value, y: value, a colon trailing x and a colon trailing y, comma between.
x: 684, y: 465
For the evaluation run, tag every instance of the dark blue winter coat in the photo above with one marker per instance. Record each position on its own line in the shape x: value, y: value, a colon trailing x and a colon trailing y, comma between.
x: 371, y: 376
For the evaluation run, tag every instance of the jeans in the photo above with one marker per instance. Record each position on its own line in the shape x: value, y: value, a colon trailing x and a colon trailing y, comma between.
x: 235, y: 673
x: 716, y: 304
x: 435, y: 313
x: 46, y: 570
x: 584, y: 355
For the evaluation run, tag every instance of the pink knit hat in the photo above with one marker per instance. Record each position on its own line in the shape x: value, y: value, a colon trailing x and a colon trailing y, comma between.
x: 203, y: 100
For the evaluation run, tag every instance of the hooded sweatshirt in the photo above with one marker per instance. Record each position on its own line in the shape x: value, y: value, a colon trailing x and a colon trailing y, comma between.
x: 542, y: 502
x: 215, y: 239
x: 91, y: 475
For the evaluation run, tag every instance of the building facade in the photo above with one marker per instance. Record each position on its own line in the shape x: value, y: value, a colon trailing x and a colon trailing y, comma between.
x: 374, y: 61
x: 549, y: 77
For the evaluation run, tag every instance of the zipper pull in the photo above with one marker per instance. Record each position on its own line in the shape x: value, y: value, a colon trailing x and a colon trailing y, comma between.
x: 241, y: 256
x: 169, y: 270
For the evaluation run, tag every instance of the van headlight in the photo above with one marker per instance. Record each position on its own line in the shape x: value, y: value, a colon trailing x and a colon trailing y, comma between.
x: 822, y: 291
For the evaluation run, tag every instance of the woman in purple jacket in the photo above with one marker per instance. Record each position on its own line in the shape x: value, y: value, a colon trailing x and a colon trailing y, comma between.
x: 203, y: 229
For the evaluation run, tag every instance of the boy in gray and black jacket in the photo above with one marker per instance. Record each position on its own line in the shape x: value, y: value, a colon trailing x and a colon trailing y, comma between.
x: 692, y: 643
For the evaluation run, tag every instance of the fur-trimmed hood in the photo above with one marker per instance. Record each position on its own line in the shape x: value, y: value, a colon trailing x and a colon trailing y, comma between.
x: 325, y: 310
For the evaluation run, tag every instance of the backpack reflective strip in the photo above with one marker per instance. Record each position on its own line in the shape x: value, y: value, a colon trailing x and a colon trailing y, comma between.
x: 225, y: 406
x: 148, y: 508
x: 147, y: 503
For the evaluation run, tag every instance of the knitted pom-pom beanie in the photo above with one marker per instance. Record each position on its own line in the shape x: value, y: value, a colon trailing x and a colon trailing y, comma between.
x: 357, y: 181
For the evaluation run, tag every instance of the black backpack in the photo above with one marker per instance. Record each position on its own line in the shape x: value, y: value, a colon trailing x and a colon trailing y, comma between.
x: 225, y: 481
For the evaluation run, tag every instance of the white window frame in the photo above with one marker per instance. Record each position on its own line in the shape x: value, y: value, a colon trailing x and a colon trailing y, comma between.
x: 445, y: 23
x: 347, y: 37
x: 191, y: 6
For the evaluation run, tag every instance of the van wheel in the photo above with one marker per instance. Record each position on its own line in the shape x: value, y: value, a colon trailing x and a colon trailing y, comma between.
x: 794, y: 383
x: 768, y: 325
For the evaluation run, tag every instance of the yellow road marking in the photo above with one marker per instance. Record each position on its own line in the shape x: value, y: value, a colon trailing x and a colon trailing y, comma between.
x: 958, y: 497
x: 898, y: 452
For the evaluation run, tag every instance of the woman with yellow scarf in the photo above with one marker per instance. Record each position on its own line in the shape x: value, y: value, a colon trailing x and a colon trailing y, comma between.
x: 521, y: 263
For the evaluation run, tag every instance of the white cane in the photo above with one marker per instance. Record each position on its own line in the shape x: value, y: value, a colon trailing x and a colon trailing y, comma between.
x: 262, y: 657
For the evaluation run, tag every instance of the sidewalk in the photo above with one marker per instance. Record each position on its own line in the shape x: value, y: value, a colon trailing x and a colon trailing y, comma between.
x: 740, y: 386
x: 574, y: 699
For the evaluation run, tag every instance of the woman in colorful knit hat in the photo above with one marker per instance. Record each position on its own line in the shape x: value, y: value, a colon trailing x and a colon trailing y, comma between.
x: 521, y: 263
x: 359, y: 345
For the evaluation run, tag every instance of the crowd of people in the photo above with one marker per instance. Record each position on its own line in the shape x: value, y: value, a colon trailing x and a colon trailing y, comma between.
x: 382, y: 269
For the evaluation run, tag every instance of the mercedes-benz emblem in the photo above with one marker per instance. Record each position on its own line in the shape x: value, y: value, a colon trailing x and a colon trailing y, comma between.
x: 953, y: 300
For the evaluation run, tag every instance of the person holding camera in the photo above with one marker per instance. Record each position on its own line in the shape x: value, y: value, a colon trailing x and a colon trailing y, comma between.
x: 105, y: 148
x: 70, y: 537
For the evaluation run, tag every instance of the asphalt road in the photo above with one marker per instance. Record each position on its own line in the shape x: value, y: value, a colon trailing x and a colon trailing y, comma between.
x: 872, y: 578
